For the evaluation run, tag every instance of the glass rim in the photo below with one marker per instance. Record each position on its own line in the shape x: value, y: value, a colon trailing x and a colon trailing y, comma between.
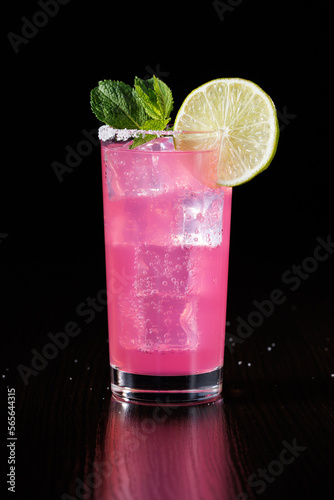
x: 107, y: 133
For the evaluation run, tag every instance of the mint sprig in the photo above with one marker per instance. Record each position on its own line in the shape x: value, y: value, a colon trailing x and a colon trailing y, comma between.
x: 147, y: 106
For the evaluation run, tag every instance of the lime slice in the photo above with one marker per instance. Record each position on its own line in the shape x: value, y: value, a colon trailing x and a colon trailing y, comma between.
x: 245, y: 117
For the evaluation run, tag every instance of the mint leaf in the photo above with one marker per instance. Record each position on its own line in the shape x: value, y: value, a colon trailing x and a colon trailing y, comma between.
x: 149, y: 125
x: 148, y: 83
x: 138, y: 141
x: 118, y: 105
x: 148, y: 97
x: 164, y: 97
x: 155, y: 124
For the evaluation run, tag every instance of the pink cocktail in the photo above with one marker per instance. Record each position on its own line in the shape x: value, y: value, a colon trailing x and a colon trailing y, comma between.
x: 167, y: 242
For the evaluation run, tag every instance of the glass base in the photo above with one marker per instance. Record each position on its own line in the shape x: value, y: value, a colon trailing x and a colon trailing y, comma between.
x: 165, y: 389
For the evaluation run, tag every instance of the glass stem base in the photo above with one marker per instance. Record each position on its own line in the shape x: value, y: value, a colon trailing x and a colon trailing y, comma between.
x: 166, y: 389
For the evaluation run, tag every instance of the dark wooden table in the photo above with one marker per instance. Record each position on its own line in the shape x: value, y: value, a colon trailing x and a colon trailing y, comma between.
x: 271, y: 436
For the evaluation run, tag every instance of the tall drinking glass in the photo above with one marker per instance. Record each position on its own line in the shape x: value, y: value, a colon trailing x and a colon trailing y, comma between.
x: 167, y: 239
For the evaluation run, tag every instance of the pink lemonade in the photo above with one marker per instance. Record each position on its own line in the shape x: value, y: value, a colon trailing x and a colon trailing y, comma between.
x: 167, y: 243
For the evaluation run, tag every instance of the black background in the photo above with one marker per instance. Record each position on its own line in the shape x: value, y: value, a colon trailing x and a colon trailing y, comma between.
x: 53, y: 253
x: 52, y: 247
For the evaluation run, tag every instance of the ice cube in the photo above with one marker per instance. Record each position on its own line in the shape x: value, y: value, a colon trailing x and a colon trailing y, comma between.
x: 162, y: 302
x: 171, y: 323
x: 162, y: 268
x: 138, y: 172
x: 203, y: 218
x: 158, y: 144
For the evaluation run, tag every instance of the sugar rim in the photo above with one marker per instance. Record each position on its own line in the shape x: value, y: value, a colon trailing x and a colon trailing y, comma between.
x: 108, y: 133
